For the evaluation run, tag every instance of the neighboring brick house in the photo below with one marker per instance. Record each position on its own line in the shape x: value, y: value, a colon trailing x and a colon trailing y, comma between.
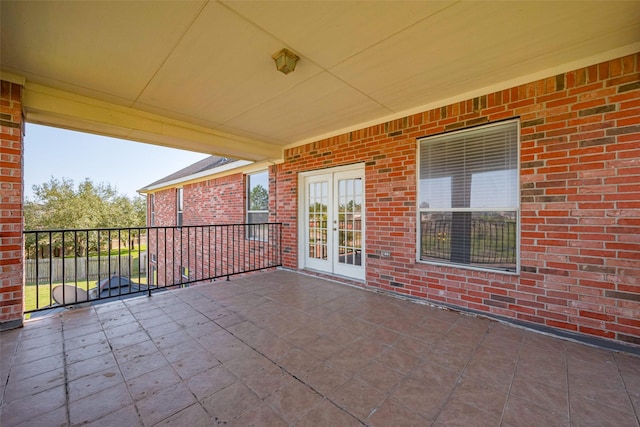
x: 522, y: 204
x: 213, y: 191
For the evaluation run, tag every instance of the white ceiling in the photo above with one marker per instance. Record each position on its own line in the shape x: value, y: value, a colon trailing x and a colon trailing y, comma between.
x: 199, y: 74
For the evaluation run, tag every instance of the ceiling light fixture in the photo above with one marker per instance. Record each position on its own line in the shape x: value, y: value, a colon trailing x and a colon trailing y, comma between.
x: 286, y: 60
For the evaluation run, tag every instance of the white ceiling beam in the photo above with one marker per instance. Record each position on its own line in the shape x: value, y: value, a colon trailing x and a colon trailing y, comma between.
x: 53, y: 107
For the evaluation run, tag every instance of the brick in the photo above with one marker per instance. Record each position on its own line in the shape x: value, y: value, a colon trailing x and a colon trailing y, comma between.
x: 596, y: 110
x: 11, y: 259
x: 579, y: 164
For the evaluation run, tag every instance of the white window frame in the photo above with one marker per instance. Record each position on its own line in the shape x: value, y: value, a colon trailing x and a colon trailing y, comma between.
x: 250, y: 228
x: 515, y: 209
x: 179, y: 206
x: 152, y: 215
x: 154, y: 276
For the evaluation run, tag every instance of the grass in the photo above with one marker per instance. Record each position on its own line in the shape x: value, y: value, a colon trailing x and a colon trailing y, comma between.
x: 40, y: 295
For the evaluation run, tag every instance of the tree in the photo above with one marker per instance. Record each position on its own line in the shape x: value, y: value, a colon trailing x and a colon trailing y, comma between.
x: 59, y: 205
x: 259, y: 199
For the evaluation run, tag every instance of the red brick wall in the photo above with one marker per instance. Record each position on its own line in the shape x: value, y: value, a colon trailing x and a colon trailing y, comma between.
x: 580, y: 201
x: 215, y: 201
x: 11, y: 195
x: 165, y: 207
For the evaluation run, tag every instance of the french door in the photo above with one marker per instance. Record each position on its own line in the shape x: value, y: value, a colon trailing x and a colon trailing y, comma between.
x: 332, y: 221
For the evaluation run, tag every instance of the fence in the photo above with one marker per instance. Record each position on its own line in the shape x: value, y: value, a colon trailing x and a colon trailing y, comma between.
x: 89, y: 268
x: 102, y: 264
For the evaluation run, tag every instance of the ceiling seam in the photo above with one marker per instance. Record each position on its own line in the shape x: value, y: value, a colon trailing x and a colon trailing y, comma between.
x: 327, y: 70
x: 264, y: 30
x: 378, y: 43
x: 397, y: 32
x: 175, y: 46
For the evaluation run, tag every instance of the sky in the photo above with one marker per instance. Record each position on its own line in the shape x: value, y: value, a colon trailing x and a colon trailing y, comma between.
x: 125, y: 165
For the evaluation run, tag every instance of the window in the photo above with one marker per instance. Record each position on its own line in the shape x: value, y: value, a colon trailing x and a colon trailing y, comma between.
x: 152, y: 215
x: 468, y: 199
x: 180, y: 206
x: 258, y: 204
x: 154, y: 276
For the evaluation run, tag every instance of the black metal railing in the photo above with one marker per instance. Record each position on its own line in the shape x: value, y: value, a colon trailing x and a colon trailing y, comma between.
x: 489, y: 242
x: 73, y: 267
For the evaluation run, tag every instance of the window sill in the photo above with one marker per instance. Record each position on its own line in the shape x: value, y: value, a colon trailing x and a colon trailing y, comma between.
x: 469, y: 267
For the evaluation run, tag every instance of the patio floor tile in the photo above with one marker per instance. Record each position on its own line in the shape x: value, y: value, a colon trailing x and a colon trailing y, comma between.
x: 17, y: 388
x: 100, y: 404
x: 293, y: 400
x: 328, y: 414
x: 477, y: 394
x: 392, y: 412
x: 57, y: 417
x: 325, y: 379
x: 165, y: 403
x: 230, y: 402
x: 283, y: 348
x: 261, y: 415
x: 194, y: 415
x: 358, y: 398
x: 553, y: 399
x: 17, y: 411
x: 520, y: 412
x: 127, y: 416
x: 380, y: 377
x: 459, y: 413
x: 152, y: 382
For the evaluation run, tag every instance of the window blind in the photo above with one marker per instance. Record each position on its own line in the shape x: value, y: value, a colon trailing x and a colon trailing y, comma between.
x: 471, y: 169
x: 468, y: 197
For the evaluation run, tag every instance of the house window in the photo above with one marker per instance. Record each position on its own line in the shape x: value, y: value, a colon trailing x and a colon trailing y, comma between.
x: 152, y: 215
x: 468, y: 199
x: 180, y: 206
x: 258, y: 205
x: 154, y: 276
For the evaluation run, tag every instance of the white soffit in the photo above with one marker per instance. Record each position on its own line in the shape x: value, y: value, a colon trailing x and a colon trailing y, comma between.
x: 225, y: 66
x: 476, y: 44
x: 207, y: 64
x: 328, y: 33
x: 101, y: 49
x: 322, y: 95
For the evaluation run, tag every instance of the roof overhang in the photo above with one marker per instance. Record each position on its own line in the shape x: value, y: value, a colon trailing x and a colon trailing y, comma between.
x: 224, y: 170
x: 47, y: 106
x: 199, y: 75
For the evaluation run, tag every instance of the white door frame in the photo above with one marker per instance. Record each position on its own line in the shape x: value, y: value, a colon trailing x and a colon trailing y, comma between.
x: 303, y: 234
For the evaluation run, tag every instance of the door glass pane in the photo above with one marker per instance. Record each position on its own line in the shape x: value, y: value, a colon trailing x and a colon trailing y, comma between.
x: 318, y: 199
x: 349, y: 223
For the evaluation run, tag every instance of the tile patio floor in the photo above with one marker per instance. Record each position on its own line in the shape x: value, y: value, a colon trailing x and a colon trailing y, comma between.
x: 281, y: 348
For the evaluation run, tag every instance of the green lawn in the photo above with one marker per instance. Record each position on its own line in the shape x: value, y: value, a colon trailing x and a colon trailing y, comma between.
x: 40, y: 296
